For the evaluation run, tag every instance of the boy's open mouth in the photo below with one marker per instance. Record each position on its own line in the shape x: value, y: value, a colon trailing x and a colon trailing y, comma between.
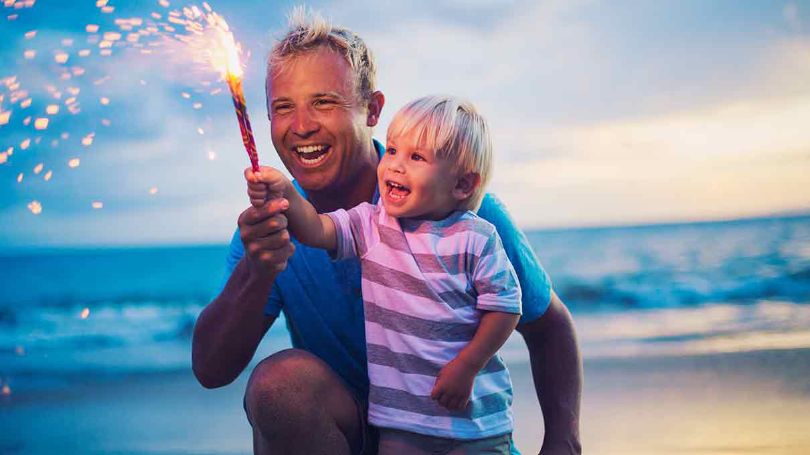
x: 311, y: 155
x: 396, y: 191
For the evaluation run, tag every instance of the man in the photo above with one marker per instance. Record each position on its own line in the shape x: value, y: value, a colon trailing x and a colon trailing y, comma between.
x: 322, y: 106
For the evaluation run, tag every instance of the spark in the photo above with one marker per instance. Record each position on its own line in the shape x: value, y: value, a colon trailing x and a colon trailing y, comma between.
x: 25, y: 143
x: 101, y: 3
x: 35, y: 207
x: 73, y: 163
x: 27, y: 121
x: 212, y: 155
x: 200, y: 130
x: 4, y: 117
x: 25, y: 103
x: 108, y: 9
x: 6, y: 390
x: 88, y: 140
x: 20, y: 177
x: 70, y: 101
x: 197, y: 105
x: 38, y: 168
x: 104, y: 100
x: 77, y: 70
x: 61, y: 57
x: 185, y: 95
x: 105, y: 44
x: 67, y: 42
x: 84, y: 52
x: 3, y: 157
x: 164, y: 3
x: 74, y: 90
x: 91, y: 28
x: 31, y: 34
x: 52, y: 109
x: 112, y: 36
x: 41, y: 123
x: 64, y: 136
x: 106, y: 122
x: 29, y: 54
x: 143, y: 82
x: 19, y: 350
x: 98, y: 205
x: 153, y: 190
x: 105, y: 52
x: 85, y: 313
x: 48, y: 175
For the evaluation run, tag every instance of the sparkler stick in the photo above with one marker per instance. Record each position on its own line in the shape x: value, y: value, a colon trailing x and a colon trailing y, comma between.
x: 232, y: 73
x: 238, y: 96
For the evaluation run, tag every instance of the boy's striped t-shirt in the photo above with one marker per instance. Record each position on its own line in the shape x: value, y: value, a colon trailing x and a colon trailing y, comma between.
x: 425, y: 284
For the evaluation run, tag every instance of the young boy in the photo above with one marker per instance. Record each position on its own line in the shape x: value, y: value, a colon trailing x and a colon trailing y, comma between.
x: 440, y: 296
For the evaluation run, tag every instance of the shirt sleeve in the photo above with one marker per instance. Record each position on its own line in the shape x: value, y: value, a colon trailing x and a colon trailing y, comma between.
x: 352, y: 231
x: 535, y: 284
x: 236, y: 251
x: 494, y: 279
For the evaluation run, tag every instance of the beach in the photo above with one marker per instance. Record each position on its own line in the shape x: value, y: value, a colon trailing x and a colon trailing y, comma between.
x: 751, y: 402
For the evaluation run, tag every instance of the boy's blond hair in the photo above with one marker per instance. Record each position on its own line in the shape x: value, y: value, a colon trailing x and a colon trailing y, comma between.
x: 308, y: 31
x: 454, y: 129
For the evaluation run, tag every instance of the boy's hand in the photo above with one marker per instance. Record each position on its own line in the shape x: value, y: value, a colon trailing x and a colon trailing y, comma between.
x: 266, y: 184
x: 454, y: 384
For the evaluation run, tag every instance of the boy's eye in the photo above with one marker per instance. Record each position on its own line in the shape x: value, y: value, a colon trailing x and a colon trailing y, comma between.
x: 417, y: 157
x: 391, y: 151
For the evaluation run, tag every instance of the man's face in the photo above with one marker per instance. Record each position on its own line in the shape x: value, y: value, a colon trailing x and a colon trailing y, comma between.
x: 318, y: 127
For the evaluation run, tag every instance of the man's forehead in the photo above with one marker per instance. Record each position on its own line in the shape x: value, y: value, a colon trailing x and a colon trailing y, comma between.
x: 313, y: 73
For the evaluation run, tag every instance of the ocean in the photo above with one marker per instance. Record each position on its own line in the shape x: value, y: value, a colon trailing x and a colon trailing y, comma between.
x: 634, y: 291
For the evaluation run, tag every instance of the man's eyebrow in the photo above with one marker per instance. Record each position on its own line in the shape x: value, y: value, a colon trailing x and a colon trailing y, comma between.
x: 328, y: 95
x: 276, y: 100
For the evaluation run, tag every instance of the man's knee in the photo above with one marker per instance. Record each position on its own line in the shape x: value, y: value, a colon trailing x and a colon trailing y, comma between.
x: 284, y: 385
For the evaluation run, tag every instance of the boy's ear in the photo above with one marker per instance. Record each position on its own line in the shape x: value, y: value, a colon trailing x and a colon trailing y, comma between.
x: 466, y: 185
x: 375, y: 106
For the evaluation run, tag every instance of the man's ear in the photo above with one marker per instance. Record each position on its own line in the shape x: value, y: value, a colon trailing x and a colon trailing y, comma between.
x: 375, y: 106
x: 466, y: 185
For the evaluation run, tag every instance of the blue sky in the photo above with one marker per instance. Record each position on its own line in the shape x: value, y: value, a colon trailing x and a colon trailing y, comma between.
x: 602, y: 112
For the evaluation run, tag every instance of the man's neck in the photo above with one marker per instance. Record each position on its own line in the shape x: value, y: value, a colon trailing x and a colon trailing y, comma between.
x: 359, y: 188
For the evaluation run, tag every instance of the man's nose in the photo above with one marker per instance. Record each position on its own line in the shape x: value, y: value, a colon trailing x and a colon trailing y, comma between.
x: 303, y: 123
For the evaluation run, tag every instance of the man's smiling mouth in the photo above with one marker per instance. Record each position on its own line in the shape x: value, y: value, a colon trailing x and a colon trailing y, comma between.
x: 312, y: 154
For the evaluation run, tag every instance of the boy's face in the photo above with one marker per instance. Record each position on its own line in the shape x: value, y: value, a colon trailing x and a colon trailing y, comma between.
x: 413, y: 182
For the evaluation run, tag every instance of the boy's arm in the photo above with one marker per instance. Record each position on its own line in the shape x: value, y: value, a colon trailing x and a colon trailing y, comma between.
x: 303, y: 221
x: 454, y: 384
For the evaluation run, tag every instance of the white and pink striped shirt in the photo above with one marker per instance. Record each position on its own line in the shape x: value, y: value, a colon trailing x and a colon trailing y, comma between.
x: 425, y: 284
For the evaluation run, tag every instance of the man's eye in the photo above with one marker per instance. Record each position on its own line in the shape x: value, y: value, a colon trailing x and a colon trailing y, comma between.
x: 282, y: 108
x: 323, y: 103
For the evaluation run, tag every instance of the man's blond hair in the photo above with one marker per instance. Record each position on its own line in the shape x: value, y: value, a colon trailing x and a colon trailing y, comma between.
x: 308, y: 31
x: 454, y: 129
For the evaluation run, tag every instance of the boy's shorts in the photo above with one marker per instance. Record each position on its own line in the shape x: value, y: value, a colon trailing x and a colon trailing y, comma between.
x: 404, y: 442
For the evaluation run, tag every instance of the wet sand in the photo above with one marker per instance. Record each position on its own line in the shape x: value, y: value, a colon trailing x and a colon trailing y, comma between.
x: 738, y: 403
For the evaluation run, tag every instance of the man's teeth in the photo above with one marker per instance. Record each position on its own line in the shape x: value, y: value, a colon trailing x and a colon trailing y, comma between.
x: 307, y: 149
x: 311, y: 154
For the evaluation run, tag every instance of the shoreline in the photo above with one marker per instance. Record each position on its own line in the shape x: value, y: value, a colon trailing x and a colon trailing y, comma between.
x: 754, y: 402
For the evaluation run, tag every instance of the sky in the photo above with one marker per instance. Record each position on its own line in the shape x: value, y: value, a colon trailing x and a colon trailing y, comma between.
x: 602, y: 113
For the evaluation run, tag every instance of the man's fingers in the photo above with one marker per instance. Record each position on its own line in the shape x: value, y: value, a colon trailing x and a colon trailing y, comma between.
x: 254, y: 215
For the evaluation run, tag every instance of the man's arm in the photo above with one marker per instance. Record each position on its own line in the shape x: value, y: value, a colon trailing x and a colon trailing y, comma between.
x: 229, y: 329
x: 557, y: 373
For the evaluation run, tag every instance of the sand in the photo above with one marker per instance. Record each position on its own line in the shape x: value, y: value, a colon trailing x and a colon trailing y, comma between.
x: 739, y: 403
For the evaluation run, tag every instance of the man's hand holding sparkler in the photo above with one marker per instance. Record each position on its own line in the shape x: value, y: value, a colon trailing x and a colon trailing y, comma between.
x: 263, y: 226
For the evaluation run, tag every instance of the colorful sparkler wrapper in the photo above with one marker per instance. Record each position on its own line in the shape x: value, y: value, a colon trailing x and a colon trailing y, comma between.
x: 238, y: 97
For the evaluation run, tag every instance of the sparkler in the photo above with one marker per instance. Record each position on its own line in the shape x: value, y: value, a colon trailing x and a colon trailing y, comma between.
x: 231, y: 71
